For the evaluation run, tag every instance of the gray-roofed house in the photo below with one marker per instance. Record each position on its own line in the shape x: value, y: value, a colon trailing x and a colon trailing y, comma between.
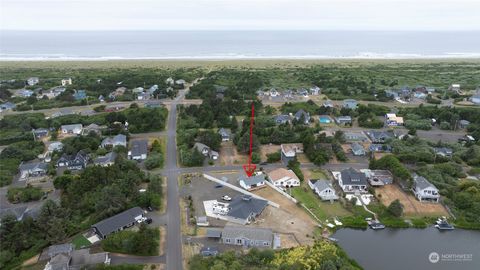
x: 93, y: 128
x: 247, y: 236
x: 54, y: 250
x: 225, y: 133
x: 351, y: 180
x: 357, y: 149
x: 106, y: 160
x: 206, y: 151
x: 7, y: 106
x: 77, y: 260
x: 118, y: 222
x: 463, y: 123
x: 116, y: 140
x: 209, y: 251
x: 243, y: 209
x: 424, y: 190
x: 33, y: 80
x: 40, y: 133
x: 252, y: 182
x: 302, y: 115
x: 328, y: 104
x: 55, y: 146
x: 32, y: 169
x: 138, y: 150
x: 380, y: 136
x: 58, y: 262
x: 83, y: 259
x: 72, y: 129
x: 324, y: 189
x: 443, y: 152
x: 343, y: 120
x: 74, y: 162
x: 282, y: 119
x: 17, y: 211
x: 350, y: 104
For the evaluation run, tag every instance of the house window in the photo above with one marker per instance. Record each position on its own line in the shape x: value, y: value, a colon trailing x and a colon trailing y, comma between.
x: 239, y: 241
x: 266, y: 243
x: 227, y: 240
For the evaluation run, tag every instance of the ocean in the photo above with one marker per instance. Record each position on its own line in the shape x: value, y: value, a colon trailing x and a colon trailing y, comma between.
x: 104, y: 45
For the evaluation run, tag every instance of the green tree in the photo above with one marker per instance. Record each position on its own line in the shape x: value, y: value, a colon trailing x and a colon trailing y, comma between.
x: 395, y: 208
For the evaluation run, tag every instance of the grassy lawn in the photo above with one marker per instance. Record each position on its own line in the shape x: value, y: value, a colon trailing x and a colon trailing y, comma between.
x: 317, y: 174
x: 80, y: 241
x: 323, y: 210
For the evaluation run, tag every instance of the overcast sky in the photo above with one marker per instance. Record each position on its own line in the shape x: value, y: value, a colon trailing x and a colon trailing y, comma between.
x: 240, y: 14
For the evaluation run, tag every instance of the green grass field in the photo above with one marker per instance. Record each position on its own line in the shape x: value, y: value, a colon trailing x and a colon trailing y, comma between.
x: 323, y: 210
x: 80, y: 242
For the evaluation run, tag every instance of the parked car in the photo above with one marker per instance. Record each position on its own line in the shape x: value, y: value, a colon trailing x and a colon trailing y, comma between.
x: 226, y: 198
x: 218, y: 186
x: 149, y: 221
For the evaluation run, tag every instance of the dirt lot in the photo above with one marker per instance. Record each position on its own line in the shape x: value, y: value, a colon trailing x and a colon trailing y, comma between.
x: 412, y: 207
x: 230, y: 156
x: 267, y: 149
x: 288, y: 219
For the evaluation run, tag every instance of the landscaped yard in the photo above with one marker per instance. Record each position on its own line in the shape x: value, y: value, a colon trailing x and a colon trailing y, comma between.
x: 323, y: 210
x: 80, y: 242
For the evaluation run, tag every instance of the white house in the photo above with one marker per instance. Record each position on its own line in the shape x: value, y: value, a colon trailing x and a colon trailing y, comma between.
x: 72, y: 129
x: 67, y: 81
x: 33, y: 80
x: 252, y: 182
x: 282, y: 177
x: 424, y: 190
x: 393, y: 120
x: 324, y: 189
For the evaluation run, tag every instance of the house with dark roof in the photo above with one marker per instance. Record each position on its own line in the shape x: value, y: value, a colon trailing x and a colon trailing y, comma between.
x: 351, y: 180
x: 247, y: 236
x: 138, y: 150
x: 357, y: 149
x: 424, y: 190
x: 380, y: 136
x: 119, y: 222
x: 243, y: 209
x: 40, y: 133
x: 252, y: 182
x: 324, y: 189
x: 282, y: 119
x: 32, y: 169
x: 106, y: 160
x: 74, y: 162
x: 116, y: 140
x: 225, y: 134
x: 302, y: 115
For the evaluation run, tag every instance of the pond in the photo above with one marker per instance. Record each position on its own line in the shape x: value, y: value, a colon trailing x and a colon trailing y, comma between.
x: 400, y: 249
